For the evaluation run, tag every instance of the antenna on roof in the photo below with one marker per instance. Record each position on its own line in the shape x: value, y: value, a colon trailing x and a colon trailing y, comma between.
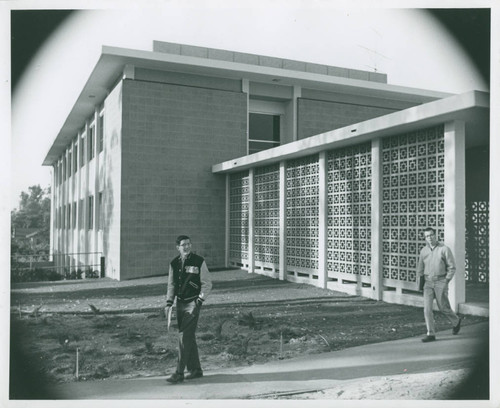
x: 373, y: 54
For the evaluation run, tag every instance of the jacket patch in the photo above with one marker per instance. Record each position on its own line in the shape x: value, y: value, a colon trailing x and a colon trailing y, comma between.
x: 193, y: 269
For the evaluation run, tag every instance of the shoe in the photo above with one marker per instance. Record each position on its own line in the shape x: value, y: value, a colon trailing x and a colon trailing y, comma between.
x: 194, y: 374
x: 427, y: 339
x: 175, y: 378
x: 456, y: 329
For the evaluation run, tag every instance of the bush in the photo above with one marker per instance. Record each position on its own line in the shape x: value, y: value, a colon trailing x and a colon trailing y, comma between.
x: 90, y: 273
x: 34, y: 275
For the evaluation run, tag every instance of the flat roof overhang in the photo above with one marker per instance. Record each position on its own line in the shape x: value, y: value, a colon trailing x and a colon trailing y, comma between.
x: 471, y: 107
x: 110, y: 66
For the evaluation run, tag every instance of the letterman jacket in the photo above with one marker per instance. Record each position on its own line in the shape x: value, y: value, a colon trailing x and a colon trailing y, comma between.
x: 189, y: 280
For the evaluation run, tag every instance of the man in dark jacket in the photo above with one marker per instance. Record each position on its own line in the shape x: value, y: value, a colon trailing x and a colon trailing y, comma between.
x: 189, y: 282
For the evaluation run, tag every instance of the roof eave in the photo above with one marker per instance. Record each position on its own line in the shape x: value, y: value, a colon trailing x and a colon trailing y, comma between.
x: 471, y: 107
x: 112, y: 61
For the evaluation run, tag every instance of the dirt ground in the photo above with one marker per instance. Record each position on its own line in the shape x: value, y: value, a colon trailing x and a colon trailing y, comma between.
x: 423, y: 386
x: 95, y: 329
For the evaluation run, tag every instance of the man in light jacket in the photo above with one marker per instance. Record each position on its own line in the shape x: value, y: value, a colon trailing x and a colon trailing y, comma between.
x: 436, y: 268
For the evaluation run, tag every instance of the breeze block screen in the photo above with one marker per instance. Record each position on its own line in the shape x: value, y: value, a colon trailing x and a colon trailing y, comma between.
x: 413, y: 199
x: 267, y: 216
x: 238, y: 218
x: 349, y: 213
x: 302, y: 216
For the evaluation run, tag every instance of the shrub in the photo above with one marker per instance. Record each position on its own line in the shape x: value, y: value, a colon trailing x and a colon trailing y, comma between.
x: 34, y: 275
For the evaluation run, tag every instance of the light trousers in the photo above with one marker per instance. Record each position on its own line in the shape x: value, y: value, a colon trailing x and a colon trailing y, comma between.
x: 187, y: 320
x: 437, y: 290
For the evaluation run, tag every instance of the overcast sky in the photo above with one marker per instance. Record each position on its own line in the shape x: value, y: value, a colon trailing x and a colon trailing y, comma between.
x: 411, y: 46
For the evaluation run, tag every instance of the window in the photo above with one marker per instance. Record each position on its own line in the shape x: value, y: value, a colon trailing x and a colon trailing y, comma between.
x: 264, y: 132
x: 68, y: 216
x: 63, y: 217
x: 80, y: 214
x: 64, y: 168
x: 75, y: 157
x: 74, y: 215
x: 101, y: 213
x: 90, y: 141
x: 101, y: 132
x: 90, y: 217
x: 82, y: 141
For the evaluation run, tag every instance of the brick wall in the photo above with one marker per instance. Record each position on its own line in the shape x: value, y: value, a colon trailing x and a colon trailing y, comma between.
x: 315, y: 117
x: 171, y: 137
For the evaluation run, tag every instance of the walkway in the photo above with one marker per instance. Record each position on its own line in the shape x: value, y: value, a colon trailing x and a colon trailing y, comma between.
x: 313, y: 372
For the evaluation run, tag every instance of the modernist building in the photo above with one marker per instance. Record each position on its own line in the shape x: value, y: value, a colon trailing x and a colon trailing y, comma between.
x: 300, y: 171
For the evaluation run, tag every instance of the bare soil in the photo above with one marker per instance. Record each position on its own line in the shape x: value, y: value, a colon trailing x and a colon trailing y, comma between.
x: 118, y: 329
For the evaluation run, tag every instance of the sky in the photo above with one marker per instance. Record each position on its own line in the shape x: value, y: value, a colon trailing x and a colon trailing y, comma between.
x: 412, y: 46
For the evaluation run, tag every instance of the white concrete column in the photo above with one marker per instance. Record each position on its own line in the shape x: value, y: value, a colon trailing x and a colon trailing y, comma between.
x: 376, y: 215
x: 454, y: 205
x: 86, y: 231
x: 78, y: 196
x: 251, y: 218
x: 297, y: 93
x: 282, y: 198
x: 228, y: 219
x: 245, y: 88
x: 52, y: 212
x: 323, y: 221
x: 57, y: 201
x: 71, y: 196
x: 95, y: 248
x: 66, y: 230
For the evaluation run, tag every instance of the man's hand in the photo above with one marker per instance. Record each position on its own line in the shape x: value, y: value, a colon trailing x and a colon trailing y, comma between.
x: 199, y: 302
x: 167, y: 310
x: 421, y: 283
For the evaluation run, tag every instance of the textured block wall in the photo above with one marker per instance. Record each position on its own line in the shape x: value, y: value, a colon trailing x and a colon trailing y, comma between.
x: 112, y: 183
x: 315, y: 117
x: 172, y: 135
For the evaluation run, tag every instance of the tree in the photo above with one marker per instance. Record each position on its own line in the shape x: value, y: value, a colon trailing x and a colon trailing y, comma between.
x: 34, y: 209
x: 34, y: 213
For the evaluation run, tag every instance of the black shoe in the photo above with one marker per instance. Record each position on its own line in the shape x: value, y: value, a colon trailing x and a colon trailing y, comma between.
x: 456, y: 329
x: 427, y: 339
x: 194, y: 374
x: 175, y: 378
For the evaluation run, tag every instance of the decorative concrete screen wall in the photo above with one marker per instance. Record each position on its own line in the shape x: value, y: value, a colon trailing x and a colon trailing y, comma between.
x: 349, y: 214
x: 238, y: 219
x: 302, y: 217
x: 267, y: 219
x: 413, y: 199
x: 477, y: 242
x: 352, y: 218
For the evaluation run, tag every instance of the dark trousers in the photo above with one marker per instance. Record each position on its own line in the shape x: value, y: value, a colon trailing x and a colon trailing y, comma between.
x: 187, y: 320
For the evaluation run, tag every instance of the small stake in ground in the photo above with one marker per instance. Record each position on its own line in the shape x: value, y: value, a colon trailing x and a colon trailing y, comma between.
x: 281, y: 346
x: 77, y: 357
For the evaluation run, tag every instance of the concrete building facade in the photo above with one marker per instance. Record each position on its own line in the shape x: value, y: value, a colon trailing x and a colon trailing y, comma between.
x: 300, y: 171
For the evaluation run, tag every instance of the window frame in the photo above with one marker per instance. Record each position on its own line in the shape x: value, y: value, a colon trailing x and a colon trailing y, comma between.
x: 90, y: 213
x: 100, y: 130
x: 91, y: 142
x: 266, y: 107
